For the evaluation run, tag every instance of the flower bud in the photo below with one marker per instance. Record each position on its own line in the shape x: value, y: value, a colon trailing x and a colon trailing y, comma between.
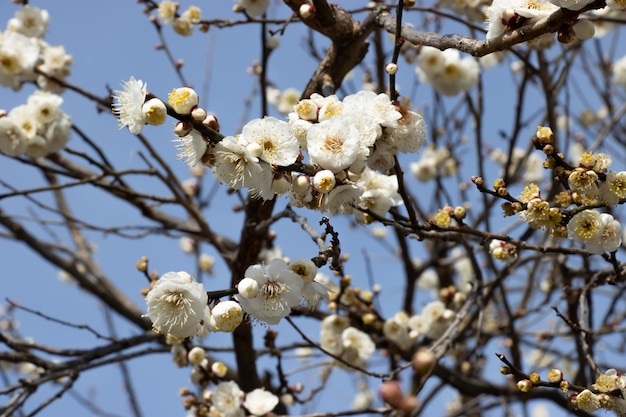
x: 555, y: 376
x: 219, y: 369
x: 307, y: 10
x: 255, y: 149
x: 391, y: 68
x: 211, y: 122
x: 391, y: 393
x: 198, y: 114
x: 524, y: 385
x: 423, y: 362
x: 272, y: 42
x: 142, y: 264
x: 227, y: 315
x: 154, y: 112
x: 324, y: 181
x: 307, y: 109
x: 196, y: 356
x: 183, y: 99
x: 182, y: 128
x: 281, y: 184
x: 301, y: 184
x: 248, y: 288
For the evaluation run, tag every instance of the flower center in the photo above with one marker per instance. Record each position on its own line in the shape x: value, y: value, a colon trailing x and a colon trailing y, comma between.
x: 272, y: 289
x: 333, y: 144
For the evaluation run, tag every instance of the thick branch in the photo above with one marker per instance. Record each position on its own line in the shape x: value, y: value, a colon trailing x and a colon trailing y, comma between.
x: 478, y: 48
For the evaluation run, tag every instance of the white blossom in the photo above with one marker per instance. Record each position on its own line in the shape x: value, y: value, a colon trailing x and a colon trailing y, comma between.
x: 183, y: 100
x: 237, y: 167
x: 226, y: 399
x: 313, y: 291
x: 191, y: 148
x: 30, y: 21
x: 18, y: 56
x: 176, y: 304
x: 358, y: 346
x: 278, y: 144
x: 503, y: 15
x: 259, y: 402
x: 332, y: 145
x: 127, y: 104
x: 226, y: 316
x: 279, y: 290
x: 12, y: 137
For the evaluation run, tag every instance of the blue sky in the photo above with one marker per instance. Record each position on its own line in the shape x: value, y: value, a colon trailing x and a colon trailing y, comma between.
x: 111, y: 41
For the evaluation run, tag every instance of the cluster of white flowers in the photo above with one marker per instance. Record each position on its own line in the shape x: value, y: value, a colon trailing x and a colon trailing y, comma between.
x: 446, y: 71
x: 604, y: 395
x: 347, y: 141
x: 350, y: 344
x: 396, y: 330
x: 507, y: 15
x: 182, y: 23
x: 434, y: 163
x: 23, y: 50
x: 600, y: 232
x: 432, y: 322
x: 269, y: 291
x: 225, y: 400
x: 178, y: 306
x: 36, y: 128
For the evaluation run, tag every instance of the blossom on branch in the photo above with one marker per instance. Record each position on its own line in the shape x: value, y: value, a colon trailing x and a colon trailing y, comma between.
x: 176, y: 304
x: 127, y: 104
x: 280, y: 289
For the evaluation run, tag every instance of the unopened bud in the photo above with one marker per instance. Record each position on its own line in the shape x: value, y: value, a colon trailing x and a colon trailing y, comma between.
x: 212, y: 122
x: 548, y: 149
x: 391, y: 393
x: 227, y: 315
x: 367, y: 296
x: 142, y: 264
x: 281, y: 184
x: 498, y: 183
x: 391, y: 68
x: 307, y: 10
x: 196, y: 355
x: 524, y: 385
x: 423, y: 362
x: 182, y: 128
x: 368, y: 318
x: 555, y: 376
x: 198, y: 114
x: 248, y: 288
x: 219, y: 369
